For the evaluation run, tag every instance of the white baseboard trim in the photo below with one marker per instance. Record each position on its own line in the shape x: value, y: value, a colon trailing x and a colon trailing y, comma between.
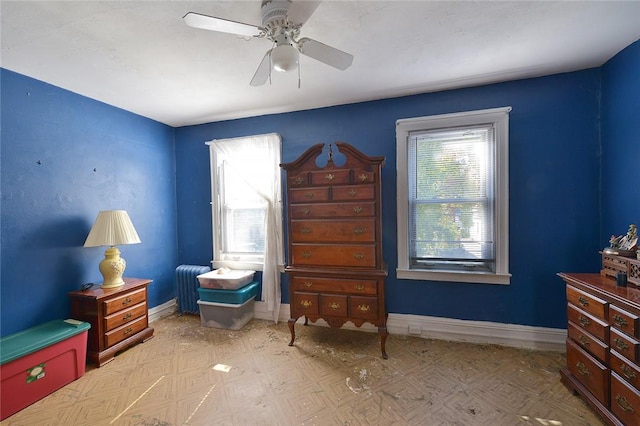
x: 163, y: 310
x: 481, y: 332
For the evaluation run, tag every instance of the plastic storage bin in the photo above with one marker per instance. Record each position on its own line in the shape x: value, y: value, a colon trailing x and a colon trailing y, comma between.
x: 229, y: 296
x: 225, y: 278
x: 40, y: 360
x: 225, y: 315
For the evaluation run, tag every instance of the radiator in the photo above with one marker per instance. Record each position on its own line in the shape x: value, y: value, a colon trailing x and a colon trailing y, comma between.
x: 188, y: 284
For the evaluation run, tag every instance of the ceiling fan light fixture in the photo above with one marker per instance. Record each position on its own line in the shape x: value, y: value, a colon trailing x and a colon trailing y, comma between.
x: 284, y: 58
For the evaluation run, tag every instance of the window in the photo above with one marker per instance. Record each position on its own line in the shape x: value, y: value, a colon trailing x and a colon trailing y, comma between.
x: 245, y: 187
x: 453, y: 188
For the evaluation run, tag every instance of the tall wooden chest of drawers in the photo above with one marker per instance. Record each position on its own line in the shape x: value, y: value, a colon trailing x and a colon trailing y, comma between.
x: 603, y: 345
x: 335, y: 266
x: 118, y: 318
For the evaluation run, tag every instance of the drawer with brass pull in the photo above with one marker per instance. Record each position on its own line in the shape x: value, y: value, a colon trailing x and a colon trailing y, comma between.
x: 625, y: 368
x: 625, y: 401
x: 589, y: 323
x: 126, y: 315
x: 332, y: 210
x: 307, y: 303
x: 589, y: 371
x: 625, y: 345
x: 333, y: 177
x: 333, y: 304
x: 363, y: 307
x: 337, y: 230
x: 363, y: 176
x: 127, y: 330
x: 623, y: 321
x: 334, y: 255
x: 335, y: 285
x: 587, y: 302
x: 592, y: 345
x: 353, y: 192
x: 309, y: 195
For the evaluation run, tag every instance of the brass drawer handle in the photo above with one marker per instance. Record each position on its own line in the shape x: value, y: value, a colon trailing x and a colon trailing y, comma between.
x: 128, y: 331
x: 305, y: 230
x: 127, y: 316
x: 330, y: 177
x: 360, y: 286
x: 306, y: 211
x: 583, y: 301
x: 364, y: 308
x: 306, y: 303
x: 334, y: 306
x: 357, y: 210
x: 306, y: 254
x: 307, y: 283
x: 363, y: 177
x: 582, y: 369
x: 620, y: 321
x: 621, y: 344
x: 359, y: 230
x: 358, y: 256
x: 308, y: 195
x: 353, y: 193
x: 584, y: 321
x: 628, y: 372
x: 299, y: 181
x: 584, y: 340
x: 126, y: 301
x: 624, y: 404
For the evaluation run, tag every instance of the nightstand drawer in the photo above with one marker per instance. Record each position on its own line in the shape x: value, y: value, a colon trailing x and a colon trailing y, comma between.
x: 119, y: 334
x: 125, y: 301
x: 122, y: 317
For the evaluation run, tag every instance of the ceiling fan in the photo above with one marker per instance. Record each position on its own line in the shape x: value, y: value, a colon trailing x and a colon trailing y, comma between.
x: 281, y: 24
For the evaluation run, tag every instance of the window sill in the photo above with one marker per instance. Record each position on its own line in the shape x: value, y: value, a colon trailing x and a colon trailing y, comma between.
x: 253, y: 266
x: 460, y: 277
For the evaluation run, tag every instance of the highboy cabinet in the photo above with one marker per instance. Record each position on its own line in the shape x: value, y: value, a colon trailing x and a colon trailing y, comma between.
x: 335, y: 266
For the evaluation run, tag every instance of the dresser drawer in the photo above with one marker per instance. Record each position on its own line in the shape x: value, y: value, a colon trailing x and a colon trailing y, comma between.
x: 307, y: 195
x: 589, y: 323
x: 305, y: 303
x: 363, y: 176
x: 625, y: 345
x: 625, y: 401
x: 587, y: 302
x: 126, y: 315
x: 335, y: 285
x: 333, y: 305
x: 625, y: 368
x: 363, y: 307
x: 298, y: 180
x: 623, y: 320
x: 591, y: 344
x: 331, y: 210
x: 358, y: 230
x: 353, y: 192
x: 331, y: 177
x: 334, y: 255
x: 591, y: 373
x: 119, y: 334
x: 124, y: 301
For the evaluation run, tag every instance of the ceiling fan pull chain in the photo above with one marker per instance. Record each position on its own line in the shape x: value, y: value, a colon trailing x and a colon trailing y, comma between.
x: 298, y: 74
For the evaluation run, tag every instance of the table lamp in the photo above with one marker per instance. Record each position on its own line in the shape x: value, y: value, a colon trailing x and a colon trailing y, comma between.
x: 111, y: 228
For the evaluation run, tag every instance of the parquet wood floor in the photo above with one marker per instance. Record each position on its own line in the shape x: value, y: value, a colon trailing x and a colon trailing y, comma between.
x: 330, y: 377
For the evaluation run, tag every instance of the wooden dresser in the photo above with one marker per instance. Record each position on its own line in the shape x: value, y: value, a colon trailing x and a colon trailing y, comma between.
x: 603, y: 342
x: 335, y: 265
x: 118, y: 318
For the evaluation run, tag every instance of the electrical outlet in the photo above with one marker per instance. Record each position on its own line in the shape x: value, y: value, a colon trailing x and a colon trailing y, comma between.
x: 415, y: 329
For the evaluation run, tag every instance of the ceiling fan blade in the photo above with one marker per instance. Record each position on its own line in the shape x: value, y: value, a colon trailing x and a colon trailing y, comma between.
x: 323, y: 53
x: 205, y: 22
x: 263, y: 71
x: 300, y: 11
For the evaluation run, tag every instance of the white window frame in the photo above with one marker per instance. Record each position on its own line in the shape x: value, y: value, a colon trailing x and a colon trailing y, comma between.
x: 249, y: 261
x: 499, y: 117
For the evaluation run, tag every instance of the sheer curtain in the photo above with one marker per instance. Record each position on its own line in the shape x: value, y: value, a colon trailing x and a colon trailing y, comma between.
x: 266, y: 183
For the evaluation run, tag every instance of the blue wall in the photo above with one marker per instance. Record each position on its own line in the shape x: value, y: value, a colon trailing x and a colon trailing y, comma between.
x: 64, y: 158
x: 621, y: 142
x: 554, y: 176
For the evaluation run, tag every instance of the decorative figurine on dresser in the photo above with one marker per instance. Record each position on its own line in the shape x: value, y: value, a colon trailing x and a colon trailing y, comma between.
x: 118, y: 317
x: 335, y: 266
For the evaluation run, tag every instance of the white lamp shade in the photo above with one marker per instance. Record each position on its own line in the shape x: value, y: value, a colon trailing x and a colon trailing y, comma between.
x: 111, y: 228
x: 284, y: 57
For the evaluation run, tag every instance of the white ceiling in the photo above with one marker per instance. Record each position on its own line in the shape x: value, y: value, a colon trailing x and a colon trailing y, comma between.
x: 140, y: 56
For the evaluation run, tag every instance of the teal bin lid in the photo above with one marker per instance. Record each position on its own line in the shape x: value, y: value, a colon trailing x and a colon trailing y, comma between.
x: 33, y: 339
